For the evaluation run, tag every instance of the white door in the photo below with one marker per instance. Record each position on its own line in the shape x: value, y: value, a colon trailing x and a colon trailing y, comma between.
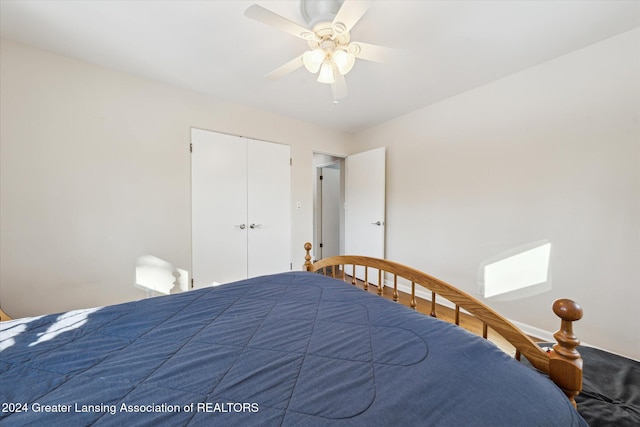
x: 241, y: 208
x: 269, y: 208
x: 219, y: 208
x: 365, y: 205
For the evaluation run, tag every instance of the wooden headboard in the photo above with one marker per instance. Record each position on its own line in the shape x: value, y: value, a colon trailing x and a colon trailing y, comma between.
x: 563, y: 363
x: 4, y: 316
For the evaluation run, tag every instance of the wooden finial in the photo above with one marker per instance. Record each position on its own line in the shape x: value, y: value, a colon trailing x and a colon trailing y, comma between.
x: 565, y: 363
x: 569, y: 312
x: 307, y: 257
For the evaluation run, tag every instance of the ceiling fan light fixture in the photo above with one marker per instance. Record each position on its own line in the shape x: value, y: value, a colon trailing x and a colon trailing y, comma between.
x: 330, y: 53
x: 344, y: 61
x: 327, y: 73
x: 312, y: 60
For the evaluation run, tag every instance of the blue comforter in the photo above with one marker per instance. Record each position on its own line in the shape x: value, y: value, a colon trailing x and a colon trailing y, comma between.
x: 288, y: 349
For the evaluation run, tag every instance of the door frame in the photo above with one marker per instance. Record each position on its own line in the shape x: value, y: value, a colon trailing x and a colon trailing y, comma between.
x: 321, y: 160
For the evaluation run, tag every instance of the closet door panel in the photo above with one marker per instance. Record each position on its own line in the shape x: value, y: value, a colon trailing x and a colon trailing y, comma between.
x: 269, y: 208
x: 219, y: 208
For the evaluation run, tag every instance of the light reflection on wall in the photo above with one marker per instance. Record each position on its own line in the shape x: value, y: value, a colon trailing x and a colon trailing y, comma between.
x: 157, y: 276
x: 519, y: 273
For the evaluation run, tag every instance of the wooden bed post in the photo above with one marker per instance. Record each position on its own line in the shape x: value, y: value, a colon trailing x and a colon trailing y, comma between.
x: 565, y: 363
x: 307, y: 257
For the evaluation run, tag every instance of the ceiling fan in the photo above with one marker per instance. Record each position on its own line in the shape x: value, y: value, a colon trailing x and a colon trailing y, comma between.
x: 331, y: 52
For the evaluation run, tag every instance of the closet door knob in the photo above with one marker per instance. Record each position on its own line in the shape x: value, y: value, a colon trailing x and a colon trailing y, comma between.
x: 255, y: 226
x: 241, y: 226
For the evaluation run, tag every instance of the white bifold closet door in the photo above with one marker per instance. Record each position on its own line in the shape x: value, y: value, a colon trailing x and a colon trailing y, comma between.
x: 241, y: 216
x: 269, y: 208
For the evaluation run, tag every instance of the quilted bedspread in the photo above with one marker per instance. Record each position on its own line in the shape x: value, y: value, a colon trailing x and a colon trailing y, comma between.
x: 288, y: 349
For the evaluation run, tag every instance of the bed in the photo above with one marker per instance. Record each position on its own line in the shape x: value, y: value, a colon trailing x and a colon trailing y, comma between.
x: 296, y: 348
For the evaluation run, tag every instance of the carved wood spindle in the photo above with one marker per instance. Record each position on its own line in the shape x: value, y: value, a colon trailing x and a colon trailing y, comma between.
x: 353, y: 278
x: 379, y: 282
x: 366, y: 277
x: 485, y: 330
x: 565, y: 363
x: 433, y: 305
x: 307, y: 257
x: 457, y: 315
x: 413, y: 295
x: 395, y: 287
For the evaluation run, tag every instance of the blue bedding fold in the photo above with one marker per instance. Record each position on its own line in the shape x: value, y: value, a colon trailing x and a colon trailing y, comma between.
x: 287, y: 349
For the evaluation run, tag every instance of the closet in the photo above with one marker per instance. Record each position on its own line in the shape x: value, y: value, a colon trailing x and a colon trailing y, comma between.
x: 241, y: 208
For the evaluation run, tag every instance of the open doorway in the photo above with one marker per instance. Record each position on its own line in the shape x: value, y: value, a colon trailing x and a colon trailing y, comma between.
x: 352, y: 189
x: 329, y: 215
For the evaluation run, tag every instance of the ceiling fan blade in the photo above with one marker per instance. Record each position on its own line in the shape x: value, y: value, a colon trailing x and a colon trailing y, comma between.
x: 339, y: 88
x: 350, y: 13
x: 372, y: 52
x: 265, y: 16
x: 290, y: 66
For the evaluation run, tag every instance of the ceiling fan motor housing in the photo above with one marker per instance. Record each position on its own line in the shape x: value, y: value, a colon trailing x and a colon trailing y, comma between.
x: 317, y: 12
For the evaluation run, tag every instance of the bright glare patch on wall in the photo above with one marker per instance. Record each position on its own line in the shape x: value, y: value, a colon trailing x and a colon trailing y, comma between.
x: 157, y: 276
x: 519, y: 271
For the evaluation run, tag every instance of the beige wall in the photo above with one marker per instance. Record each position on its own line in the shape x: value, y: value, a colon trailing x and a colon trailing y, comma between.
x: 95, y: 173
x: 551, y: 153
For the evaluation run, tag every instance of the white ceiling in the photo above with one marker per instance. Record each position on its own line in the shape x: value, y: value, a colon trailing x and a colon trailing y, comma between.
x: 447, y: 47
